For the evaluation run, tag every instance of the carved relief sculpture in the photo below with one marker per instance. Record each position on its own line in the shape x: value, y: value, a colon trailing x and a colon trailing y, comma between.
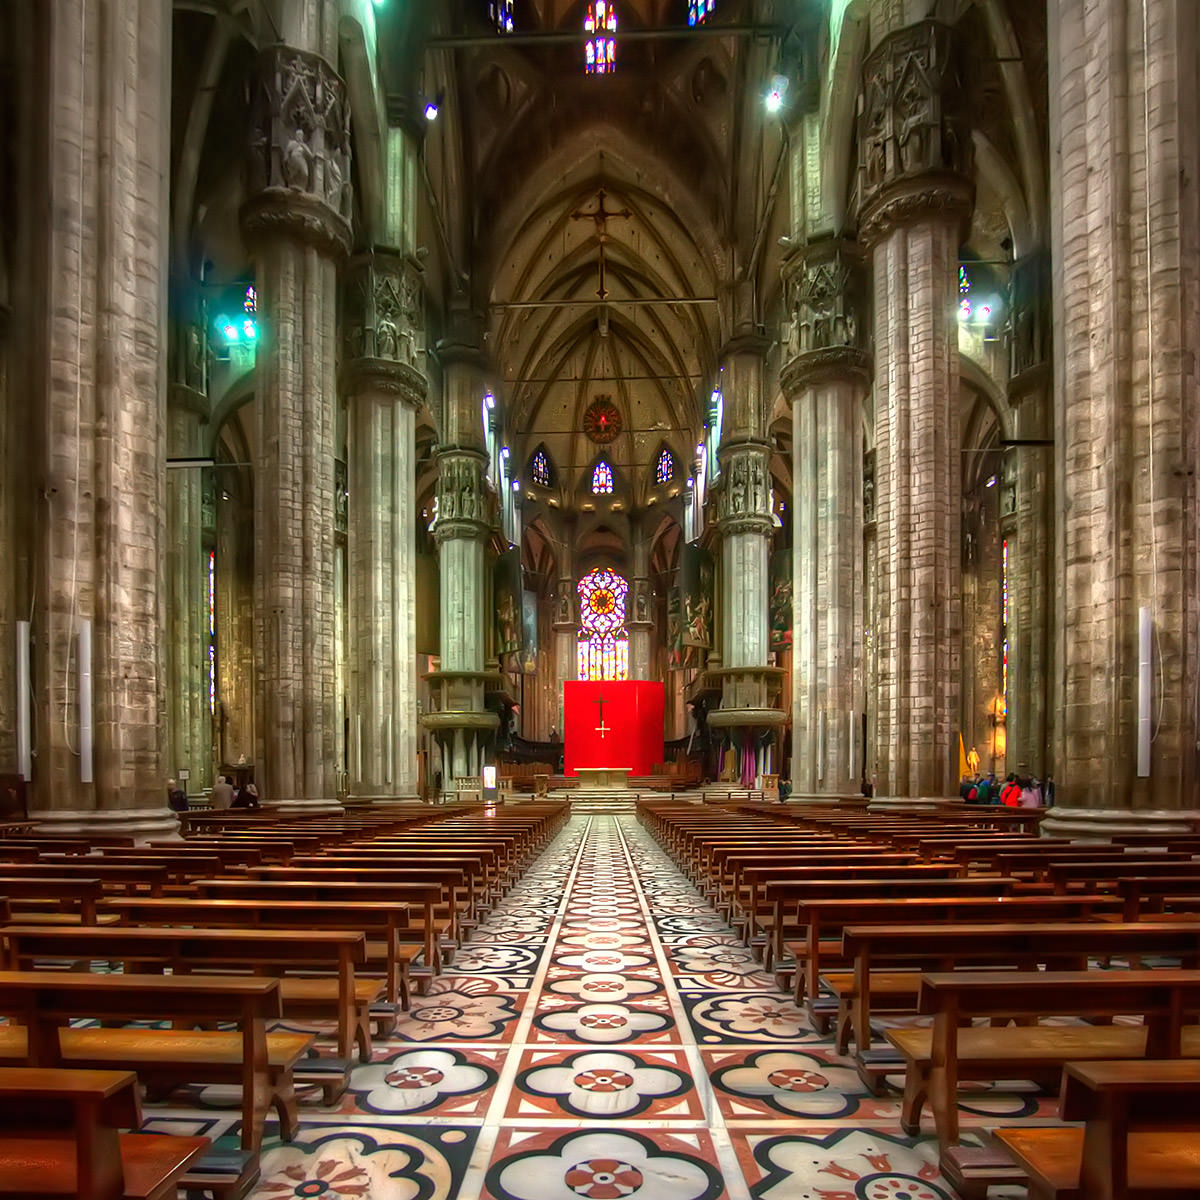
x: 299, y: 146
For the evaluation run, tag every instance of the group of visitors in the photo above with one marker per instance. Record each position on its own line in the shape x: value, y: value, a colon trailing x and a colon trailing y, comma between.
x: 223, y: 795
x: 1015, y: 791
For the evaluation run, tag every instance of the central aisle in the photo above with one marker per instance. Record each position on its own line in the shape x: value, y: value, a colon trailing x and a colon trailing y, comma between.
x: 605, y: 1035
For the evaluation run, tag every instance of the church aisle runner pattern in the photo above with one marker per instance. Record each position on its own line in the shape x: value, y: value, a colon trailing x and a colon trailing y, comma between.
x: 602, y: 1035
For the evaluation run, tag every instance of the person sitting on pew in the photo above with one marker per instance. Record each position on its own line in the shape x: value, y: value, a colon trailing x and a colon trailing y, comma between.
x: 222, y: 793
x: 177, y: 800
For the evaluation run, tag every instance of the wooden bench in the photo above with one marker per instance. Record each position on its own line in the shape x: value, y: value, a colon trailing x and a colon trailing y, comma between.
x: 934, y: 1056
x: 1107, y: 873
x: 62, y: 1137
x: 290, y: 954
x: 113, y: 876
x: 44, y: 1002
x: 74, y: 898
x: 788, y: 925
x: 388, y: 945
x: 1064, y: 945
x: 420, y: 900
x: 1139, y: 1141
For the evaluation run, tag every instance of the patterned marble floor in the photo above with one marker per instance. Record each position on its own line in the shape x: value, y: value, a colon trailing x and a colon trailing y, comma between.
x: 602, y: 1035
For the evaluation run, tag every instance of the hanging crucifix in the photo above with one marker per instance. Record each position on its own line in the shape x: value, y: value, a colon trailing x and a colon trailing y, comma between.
x: 601, y: 216
x: 602, y: 729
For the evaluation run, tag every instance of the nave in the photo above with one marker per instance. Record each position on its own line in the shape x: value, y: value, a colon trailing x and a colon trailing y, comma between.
x: 603, y: 1034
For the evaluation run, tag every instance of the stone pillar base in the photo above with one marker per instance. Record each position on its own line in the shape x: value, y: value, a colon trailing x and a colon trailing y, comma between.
x: 308, y: 808
x: 144, y: 824
x: 891, y: 803
x: 1103, y: 823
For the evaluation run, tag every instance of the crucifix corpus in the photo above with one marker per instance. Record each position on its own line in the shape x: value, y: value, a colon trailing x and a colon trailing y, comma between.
x: 601, y: 215
x: 602, y: 729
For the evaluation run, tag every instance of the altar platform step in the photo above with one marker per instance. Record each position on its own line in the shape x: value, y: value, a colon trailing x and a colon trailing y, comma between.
x: 598, y: 800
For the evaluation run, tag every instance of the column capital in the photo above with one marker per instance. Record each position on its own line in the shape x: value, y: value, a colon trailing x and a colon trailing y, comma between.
x: 299, y: 155
x: 462, y: 500
x: 755, y: 345
x: 383, y: 326
x: 744, y: 488
x: 825, y: 330
x: 914, y: 138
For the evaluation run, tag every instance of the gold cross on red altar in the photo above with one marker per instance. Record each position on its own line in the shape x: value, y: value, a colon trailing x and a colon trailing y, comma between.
x: 601, y: 216
x: 602, y: 729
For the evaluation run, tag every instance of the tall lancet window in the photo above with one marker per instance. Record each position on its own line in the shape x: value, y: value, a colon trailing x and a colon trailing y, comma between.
x: 700, y: 10
x: 664, y: 470
x: 603, y: 649
x: 502, y: 15
x: 602, y: 479
x: 600, y: 27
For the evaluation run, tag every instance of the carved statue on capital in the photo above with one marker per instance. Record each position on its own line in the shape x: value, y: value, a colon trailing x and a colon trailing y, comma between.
x: 298, y: 168
x: 745, y: 494
x: 914, y: 140
x: 1029, y: 318
x: 383, y: 320
x: 825, y: 297
x: 462, y: 497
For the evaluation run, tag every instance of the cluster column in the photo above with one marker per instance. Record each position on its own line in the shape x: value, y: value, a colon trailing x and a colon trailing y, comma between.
x: 749, y: 712
x: 384, y: 384
x: 464, y: 728
x: 1126, y: 265
x: 297, y: 224
x: 915, y: 192
x: 92, y: 362
x: 566, y: 619
x: 825, y: 378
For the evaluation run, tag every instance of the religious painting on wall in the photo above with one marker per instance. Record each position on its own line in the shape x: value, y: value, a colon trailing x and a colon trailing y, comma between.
x: 674, y: 630
x: 509, y: 601
x: 529, y: 633
x: 696, y: 590
x: 781, y: 599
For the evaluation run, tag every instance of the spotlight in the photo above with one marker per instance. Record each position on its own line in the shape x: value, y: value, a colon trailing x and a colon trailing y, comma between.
x: 775, y: 94
x: 431, y: 110
x: 489, y: 399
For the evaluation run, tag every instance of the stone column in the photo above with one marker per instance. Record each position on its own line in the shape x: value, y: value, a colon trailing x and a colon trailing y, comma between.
x: 750, y: 686
x: 915, y: 191
x: 640, y: 610
x: 297, y: 225
x: 461, y: 722
x: 566, y: 620
x: 384, y: 385
x: 189, y: 743
x: 1031, y: 561
x: 824, y: 378
x: 93, y: 341
x: 1126, y: 265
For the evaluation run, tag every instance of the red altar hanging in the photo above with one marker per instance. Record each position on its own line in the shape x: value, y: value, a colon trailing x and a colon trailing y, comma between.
x: 613, y: 724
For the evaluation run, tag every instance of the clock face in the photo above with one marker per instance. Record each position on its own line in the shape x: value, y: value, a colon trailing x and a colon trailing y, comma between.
x: 602, y: 421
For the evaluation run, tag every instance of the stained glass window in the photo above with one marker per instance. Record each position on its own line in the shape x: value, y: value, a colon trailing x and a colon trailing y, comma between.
x: 664, y: 470
x: 603, y: 649
x: 539, y: 469
x: 502, y: 15
x: 602, y: 479
x: 599, y: 25
x: 212, y: 632
x: 700, y: 10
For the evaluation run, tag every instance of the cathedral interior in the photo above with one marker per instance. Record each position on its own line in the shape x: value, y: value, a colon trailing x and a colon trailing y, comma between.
x: 370, y: 369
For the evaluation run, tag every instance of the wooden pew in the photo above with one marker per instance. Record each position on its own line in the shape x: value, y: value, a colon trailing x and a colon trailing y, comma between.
x: 1063, y: 945
x: 420, y: 899
x: 75, y: 898
x: 385, y: 926
x: 1144, y: 896
x: 787, y: 923
x: 113, y: 876
x: 935, y: 1055
x: 44, y: 1002
x: 62, y: 1137
x: 342, y: 997
x: 1139, y: 1139
x: 1096, y: 876
x: 823, y: 923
